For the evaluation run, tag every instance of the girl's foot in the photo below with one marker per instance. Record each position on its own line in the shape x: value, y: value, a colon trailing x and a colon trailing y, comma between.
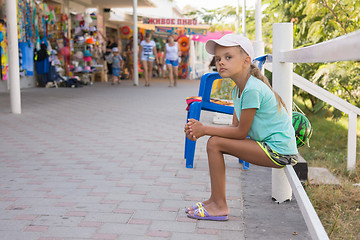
x: 204, y: 203
x: 214, y: 209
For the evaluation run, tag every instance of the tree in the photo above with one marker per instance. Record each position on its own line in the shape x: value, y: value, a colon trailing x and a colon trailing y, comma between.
x: 317, y: 21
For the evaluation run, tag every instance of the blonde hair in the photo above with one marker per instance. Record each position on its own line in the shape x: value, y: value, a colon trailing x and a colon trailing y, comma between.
x: 256, y: 72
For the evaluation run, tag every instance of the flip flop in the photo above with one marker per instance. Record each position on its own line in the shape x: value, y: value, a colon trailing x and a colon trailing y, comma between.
x: 196, y: 206
x: 204, y: 215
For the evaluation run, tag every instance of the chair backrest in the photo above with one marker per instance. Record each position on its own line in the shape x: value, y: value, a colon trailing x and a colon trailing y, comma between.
x: 206, y: 84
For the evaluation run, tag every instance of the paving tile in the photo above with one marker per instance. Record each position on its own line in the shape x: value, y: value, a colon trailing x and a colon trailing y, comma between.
x: 106, y: 162
x: 121, y: 229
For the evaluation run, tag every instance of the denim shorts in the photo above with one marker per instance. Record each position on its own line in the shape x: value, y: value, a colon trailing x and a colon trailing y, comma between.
x: 277, y: 158
x: 175, y: 63
x: 149, y: 58
x: 116, y: 72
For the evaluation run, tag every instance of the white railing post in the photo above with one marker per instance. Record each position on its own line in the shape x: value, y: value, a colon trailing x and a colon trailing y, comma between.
x: 283, y: 85
x: 244, y: 18
x: 135, y: 44
x: 258, y: 44
x: 351, y: 151
x: 14, y: 76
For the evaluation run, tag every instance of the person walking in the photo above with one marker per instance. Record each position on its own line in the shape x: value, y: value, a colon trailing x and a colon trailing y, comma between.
x: 148, y: 55
x: 172, y: 59
x: 259, y: 112
x: 111, y: 43
x: 130, y: 58
x: 117, y: 64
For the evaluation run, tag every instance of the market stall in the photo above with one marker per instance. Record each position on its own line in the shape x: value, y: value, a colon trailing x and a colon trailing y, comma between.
x: 182, y: 29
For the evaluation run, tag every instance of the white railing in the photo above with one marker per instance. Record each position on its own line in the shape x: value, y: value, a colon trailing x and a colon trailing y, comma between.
x: 339, y: 49
x: 336, y: 102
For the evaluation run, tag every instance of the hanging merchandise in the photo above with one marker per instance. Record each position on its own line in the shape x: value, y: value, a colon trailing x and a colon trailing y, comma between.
x: 42, y: 64
x: 184, y: 46
x: 90, y: 40
x: 125, y: 30
x: 27, y: 52
x: 93, y: 16
x: 3, y: 52
x: 183, y: 42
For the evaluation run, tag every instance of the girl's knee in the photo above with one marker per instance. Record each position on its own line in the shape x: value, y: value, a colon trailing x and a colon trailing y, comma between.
x: 213, y: 143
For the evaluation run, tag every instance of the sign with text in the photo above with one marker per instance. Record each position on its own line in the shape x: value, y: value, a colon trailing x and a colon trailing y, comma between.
x: 164, y: 30
x: 170, y: 21
x: 192, y: 31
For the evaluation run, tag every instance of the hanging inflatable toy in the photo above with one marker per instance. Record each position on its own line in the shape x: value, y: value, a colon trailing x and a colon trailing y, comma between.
x: 125, y: 30
x: 302, y: 127
x: 183, y: 42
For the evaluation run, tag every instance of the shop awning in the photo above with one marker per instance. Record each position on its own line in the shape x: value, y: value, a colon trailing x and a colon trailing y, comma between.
x: 209, y: 35
x: 152, y: 26
x: 122, y: 3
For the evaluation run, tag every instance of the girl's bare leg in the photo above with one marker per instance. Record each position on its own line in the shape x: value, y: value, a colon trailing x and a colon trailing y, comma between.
x: 247, y: 150
x: 150, y: 67
x: 175, y: 75
x: 171, y: 77
x: 131, y: 73
x: 145, y: 66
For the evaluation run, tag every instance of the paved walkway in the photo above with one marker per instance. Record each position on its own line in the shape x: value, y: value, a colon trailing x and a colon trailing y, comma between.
x: 106, y: 162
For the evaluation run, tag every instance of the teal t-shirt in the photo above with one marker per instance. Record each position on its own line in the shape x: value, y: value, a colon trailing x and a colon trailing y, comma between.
x: 270, y: 125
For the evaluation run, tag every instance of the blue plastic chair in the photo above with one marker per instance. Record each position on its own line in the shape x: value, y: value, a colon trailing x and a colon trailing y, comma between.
x: 196, y: 107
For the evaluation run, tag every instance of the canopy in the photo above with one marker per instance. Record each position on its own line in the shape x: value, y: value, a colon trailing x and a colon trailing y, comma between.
x: 121, y: 4
x: 209, y: 35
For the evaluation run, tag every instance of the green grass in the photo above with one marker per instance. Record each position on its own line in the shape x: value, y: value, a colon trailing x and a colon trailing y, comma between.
x: 338, y: 207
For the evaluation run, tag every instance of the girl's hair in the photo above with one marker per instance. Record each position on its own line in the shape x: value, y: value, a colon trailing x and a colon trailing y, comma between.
x: 167, y: 39
x: 256, y: 72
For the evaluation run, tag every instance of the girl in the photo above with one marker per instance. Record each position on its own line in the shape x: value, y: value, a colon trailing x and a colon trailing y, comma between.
x: 148, y: 54
x: 172, y: 59
x: 259, y: 112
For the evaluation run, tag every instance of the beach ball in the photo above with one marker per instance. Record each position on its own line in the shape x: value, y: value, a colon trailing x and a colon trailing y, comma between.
x: 302, y: 127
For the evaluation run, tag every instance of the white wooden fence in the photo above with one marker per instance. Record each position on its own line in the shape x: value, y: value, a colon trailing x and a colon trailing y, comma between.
x: 339, y: 49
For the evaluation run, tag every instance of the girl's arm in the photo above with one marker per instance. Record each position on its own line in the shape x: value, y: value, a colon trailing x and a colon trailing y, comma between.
x: 139, y: 52
x: 240, y: 131
x: 155, y: 53
x: 235, y: 121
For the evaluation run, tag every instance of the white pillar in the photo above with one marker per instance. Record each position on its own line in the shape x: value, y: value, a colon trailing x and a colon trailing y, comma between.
x: 283, y: 85
x: 237, y: 17
x: 258, y: 44
x: 351, y: 151
x: 135, y: 43
x: 13, y: 54
x: 244, y: 18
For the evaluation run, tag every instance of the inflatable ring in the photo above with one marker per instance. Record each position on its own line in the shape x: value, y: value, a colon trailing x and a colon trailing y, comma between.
x: 125, y: 30
x: 183, y: 42
x: 183, y: 71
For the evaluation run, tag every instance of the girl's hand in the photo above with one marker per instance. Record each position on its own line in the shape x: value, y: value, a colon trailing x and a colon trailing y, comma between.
x: 188, y: 134
x: 197, y: 129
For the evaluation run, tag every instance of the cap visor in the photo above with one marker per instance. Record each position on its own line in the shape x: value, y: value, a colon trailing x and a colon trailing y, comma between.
x: 210, y: 47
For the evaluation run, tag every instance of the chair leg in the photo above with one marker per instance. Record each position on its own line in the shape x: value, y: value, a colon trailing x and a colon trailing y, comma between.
x: 246, y: 165
x: 194, y: 112
x: 190, y: 153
